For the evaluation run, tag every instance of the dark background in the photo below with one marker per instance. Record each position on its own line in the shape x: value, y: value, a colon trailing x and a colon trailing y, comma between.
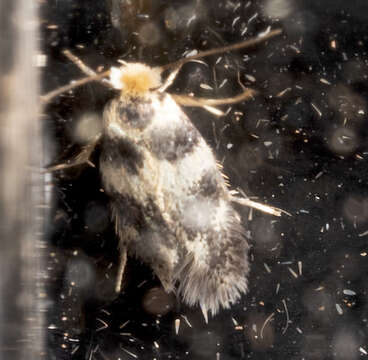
x: 300, y: 145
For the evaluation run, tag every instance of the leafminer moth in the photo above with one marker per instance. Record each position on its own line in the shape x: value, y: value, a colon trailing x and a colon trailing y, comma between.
x: 170, y: 202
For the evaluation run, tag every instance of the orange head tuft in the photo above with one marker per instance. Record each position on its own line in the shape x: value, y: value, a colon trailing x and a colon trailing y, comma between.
x: 135, y: 79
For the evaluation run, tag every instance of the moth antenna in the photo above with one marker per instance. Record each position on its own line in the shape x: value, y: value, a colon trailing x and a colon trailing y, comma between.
x: 206, y: 103
x: 241, y: 45
x: 170, y: 79
x: 214, y: 111
x: 209, y: 103
x: 79, y: 63
x: 91, y: 76
x: 74, y: 84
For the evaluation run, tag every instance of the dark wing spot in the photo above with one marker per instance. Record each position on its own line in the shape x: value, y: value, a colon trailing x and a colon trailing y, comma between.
x: 122, y: 153
x: 129, y: 212
x: 145, y: 218
x: 136, y: 214
x: 136, y: 113
x: 210, y: 184
x: 172, y: 145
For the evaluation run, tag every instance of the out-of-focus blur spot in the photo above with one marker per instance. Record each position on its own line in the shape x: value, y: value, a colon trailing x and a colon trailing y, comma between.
x: 96, y: 218
x: 316, y: 346
x: 87, y: 127
x: 278, y: 9
x: 355, y: 71
x: 183, y: 17
x: 355, y: 210
x: 204, y: 345
x: 157, y: 302
x: 80, y: 273
x: 345, y: 265
x: 149, y: 34
x: 345, y: 345
x: 249, y: 158
x: 265, y: 239
x: 196, y: 214
x: 343, y: 141
x: 319, y: 303
x: 349, y: 106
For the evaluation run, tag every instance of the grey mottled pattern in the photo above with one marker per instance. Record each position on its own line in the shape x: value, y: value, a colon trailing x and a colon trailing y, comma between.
x: 171, y: 204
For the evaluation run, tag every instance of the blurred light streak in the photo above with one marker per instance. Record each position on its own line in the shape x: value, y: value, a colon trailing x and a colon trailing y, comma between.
x: 22, y: 295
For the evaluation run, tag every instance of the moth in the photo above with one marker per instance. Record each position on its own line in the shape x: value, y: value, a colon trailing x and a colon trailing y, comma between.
x: 171, y: 204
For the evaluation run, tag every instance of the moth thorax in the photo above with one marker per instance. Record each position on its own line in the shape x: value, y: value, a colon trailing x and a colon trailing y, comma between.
x: 135, y: 79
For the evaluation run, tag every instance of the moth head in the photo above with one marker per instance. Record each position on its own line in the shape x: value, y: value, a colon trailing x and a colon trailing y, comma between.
x: 135, y: 79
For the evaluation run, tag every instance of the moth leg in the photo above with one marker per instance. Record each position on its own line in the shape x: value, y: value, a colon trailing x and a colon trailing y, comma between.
x: 80, y: 159
x: 122, y: 263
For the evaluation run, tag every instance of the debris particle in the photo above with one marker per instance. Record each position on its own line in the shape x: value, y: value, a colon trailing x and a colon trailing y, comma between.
x: 267, y: 268
x: 130, y: 353
x: 287, y: 316
x: 206, y: 87
x: 104, y: 325
x: 234, y: 321
x: 124, y: 324
x: 177, y: 326
x: 318, y: 175
x: 186, y: 320
x: 269, y: 318
x: 293, y: 272
x: 293, y: 47
x: 339, y: 309
x: 222, y: 83
x: 349, y: 292
x: 324, y: 81
x: 277, y: 288
x: 251, y: 78
x: 318, y: 111
x: 283, y: 92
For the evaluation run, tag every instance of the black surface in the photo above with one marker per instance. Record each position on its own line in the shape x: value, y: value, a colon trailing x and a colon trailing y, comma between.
x: 309, y: 162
